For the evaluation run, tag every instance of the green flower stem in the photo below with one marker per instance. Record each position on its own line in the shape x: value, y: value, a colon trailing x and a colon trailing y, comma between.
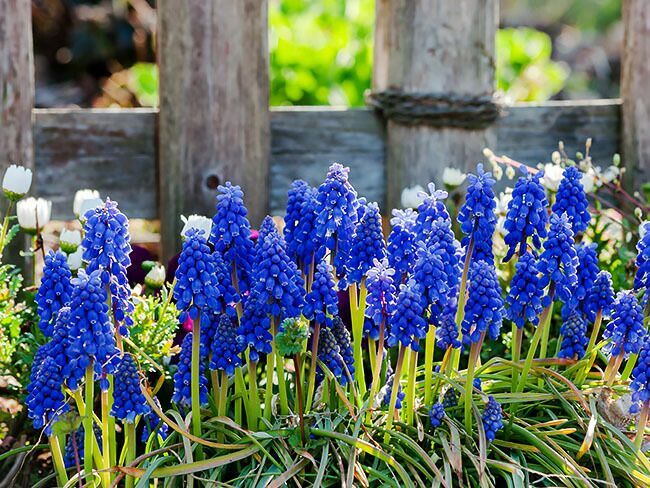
x: 57, y: 459
x: 443, y: 367
x: 279, y: 365
x: 591, y: 354
x: 392, y: 412
x: 195, y: 380
x: 357, y: 312
x: 254, y: 399
x: 5, y: 227
x: 214, y: 379
x: 301, y: 407
x: 240, y: 387
x: 545, y: 336
x: 376, y: 374
x: 612, y: 367
x: 106, y: 400
x: 460, y: 312
x: 268, y: 394
x: 223, y: 400
x: 544, y: 323
x: 411, y: 380
x: 474, y: 354
x: 372, y: 352
x: 89, y: 434
x: 429, y: 349
x: 311, y: 384
x: 629, y: 366
x: 641, y: 424
x: 111, y: 427
x: 130, y: 450
x: 517, y: 338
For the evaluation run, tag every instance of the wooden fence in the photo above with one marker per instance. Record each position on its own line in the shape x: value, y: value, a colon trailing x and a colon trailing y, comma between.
x: 433, y: 76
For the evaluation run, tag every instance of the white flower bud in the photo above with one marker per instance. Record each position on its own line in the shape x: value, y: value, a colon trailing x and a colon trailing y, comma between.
x: 16, y: 182
x: 588, y: 181
x: 87, y: 205
x: 75, y: 260
x: 616, y: 160
x: 156, y: 276
x: 32, y: 211
x: 452, y: 177
x: 510, y: 172
x: 556, y: 157
x: 196, y: 222
x: 552, y: 176
x: 79, y: 198
x: 638, y: 213
x: 412, y: 197
x: 69, y: 240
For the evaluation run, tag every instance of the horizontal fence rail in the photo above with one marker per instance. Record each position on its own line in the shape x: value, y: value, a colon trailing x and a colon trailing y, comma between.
x: 114, y: 151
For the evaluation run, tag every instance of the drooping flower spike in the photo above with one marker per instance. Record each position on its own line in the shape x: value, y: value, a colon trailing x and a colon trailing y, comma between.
x: 431, y: 209
x: 381, y: 297
x: 526, y: 216
x: 107, y: 248
x: 586, y: 272
x: 492, y: 418
x: 128, y: 399
x: 321, y: 303
x: 484, y: 306
x: 54, y: 291
x: 367, y: 244
x: 402, y: 241
x: 600, y: 297
x: 226, y: 347
x: 574, y: 336
x: 642, y: 276
x: 524, y: 298
x: 436, y: 414
x: 572, y: 200
x: 476, y: 217
x: 626, y: 329
x: 407, y: 325
x: 182, y: 378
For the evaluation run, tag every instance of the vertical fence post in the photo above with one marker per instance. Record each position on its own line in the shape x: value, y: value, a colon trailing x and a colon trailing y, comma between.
x: 634, y: 91
x: 16, y: 84
x: 434, y: 73
x: 214, y: 119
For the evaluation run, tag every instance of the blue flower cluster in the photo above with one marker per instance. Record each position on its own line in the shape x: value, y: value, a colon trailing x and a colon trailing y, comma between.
x: 447, y: 331
x: 586, y: 272
x: 128, y: 400
x: 344, y: 341
x: 196, y: 288
x: 436, y: 414
x: 380, y: 299
x: 45, y: 401
x: 300, y: 220
x: 574, y: 337
x: 329, y: 353
x: 572, y: 200
x: 401, y: 241
x: 626, y: 329
x: 255, y: 328
x: 559, y: 262
x: 183, y: 376
x: 107, y: 247
x: 407, y: 325
x: 336, y: 214
x: 642, y: 276
x: 526, y: 216
x: 321, y: 302
x: 54, y: 291
x: 524, y: 299
x: 224, y: 289
x: 367, y: 244
x: 153, y: 423
x: 431, y: 209
x: 450, y: 398
x: 429, y: 273
x: 226, y: 347
x: 484, y: 306
x: 476, y: 217
x: 600, y: 297
x: 492, y: 418
x: 640, y: 384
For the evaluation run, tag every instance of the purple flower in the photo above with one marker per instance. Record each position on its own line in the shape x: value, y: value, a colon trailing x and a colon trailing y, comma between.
x: 574, y: 337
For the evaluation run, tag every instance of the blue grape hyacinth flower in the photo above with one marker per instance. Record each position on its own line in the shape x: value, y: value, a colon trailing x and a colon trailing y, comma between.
x: 321, y: 303
x: 574, y: 337
x: 429, y: 273
x: 484, y: 306
x: 255, y: 327
x: 626, y: 329
x: 526, y: 216
x: 640, y: 384
x: 447, y: 331
x: 558, y: 262
x: 128, y: 400
x: 436, y: 414
x: 524, y: 298
x: 642, y: 276
x: 380, y: 299
x: 600, y: 297
x: 476, y: 216
x: 407, y: 324
x: 226, y: 347
x: 367, y: 244
x: 572, y: 200
x: 344, y: 341
x: 329, y: 353
x: 402, y: 241
x: 431, y: 209
x: 54, y: 291
x: 300, y: 221
x: 492, y: 418
x: 183, y: 376
x: 153, y: 423
x: 45, y: 400
x: 586, y: 272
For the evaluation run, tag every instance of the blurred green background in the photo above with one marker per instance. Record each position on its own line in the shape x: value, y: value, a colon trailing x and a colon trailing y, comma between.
x: 101, y: 53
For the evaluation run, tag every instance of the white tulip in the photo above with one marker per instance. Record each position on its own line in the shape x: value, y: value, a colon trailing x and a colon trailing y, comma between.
x: 31, y: 211
x: 16, y: 182
x: 75, y: 259
x: 69, y: 240
x: 87, y: 205
x: 196, y: 222
x: 156, y: 276
x: 79, y: 198
x: 453, y: 177
x: 412, y: 197
x: 552, y: 176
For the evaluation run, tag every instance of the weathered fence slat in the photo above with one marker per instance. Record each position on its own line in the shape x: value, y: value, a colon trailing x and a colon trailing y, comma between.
x: 114, y: 150
x: 214, y: 116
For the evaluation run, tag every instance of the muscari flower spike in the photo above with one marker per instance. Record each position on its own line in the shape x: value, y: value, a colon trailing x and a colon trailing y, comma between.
x: 642, y: 276
x: 558, y: 262
x: 337, y: 215
x: 329, y: 353
x: 196, y: 279
x: 492, y: 418
x: 90, y: 332
x: 321, y: 303
x: 45, y: 400
x: 572, y: 200
x: 107, y: 248
x: 300, y: 219
x: 450, y: 398
x: 54, y: 291
x: 402, y: 241
x: 255, y: 328
x: 183, y: 376
x: 484, y: 306
x: 429, y: 273
x: 431, y: 209
x: 407, y: 324
x: 78, y: 436
x: 626, y: 329
x: 231, y: 232
x: 524, y: 298
x: 276, y: 279
x: 367, y: 244
x: 526, y: 216
x: 600, y: 297
x: 380, y: 298
x: 586, y: 272
x: 128, y: 399
x: 226, y: 347
x: 153, y: 423
x: 476, y: 217
x: 640, y: 384
x: 447, y: 330
x: 574, y: 336
x: 344, y: 340
x: 436, y: 414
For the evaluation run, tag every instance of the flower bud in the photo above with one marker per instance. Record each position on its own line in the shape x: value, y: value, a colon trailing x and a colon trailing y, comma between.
x: 197, y: 222
x: 69, y: 240
x: 33, y: 213
x: 16, y: 182
x: 87, y: 205
x: 452, y: 177
x: 80, y: 197
x: 291, y: 340
x: 412, y: 197
x: 75, y: 259
x: 155, y: 278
